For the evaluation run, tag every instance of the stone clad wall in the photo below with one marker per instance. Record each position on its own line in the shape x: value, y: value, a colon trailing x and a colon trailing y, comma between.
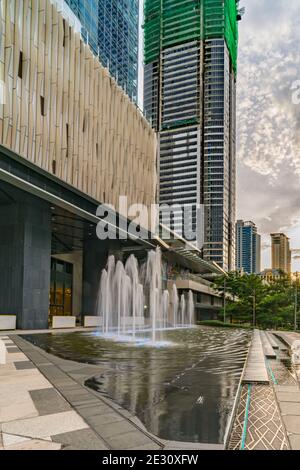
x: 63, y: 111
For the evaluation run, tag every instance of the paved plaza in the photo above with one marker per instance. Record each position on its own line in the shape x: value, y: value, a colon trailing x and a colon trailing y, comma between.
x: 44, y: 404
x: 268, y: 412
x: 51, y: 409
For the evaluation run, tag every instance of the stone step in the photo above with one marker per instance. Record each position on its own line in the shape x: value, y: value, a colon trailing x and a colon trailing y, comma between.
x: 272, y: 340
x: 268, y: 350
x: 256, y: 369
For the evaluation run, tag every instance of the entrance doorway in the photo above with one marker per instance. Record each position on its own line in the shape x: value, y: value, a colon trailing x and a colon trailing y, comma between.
x: 61, y: 288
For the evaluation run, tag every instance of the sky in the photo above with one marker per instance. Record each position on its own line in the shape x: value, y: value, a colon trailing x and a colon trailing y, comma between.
x: 268, y: 120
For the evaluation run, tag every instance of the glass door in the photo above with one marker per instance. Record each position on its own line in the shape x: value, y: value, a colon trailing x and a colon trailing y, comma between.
x: 61, y: 288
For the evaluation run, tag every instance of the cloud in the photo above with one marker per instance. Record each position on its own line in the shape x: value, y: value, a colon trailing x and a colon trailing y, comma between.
x: 268, y: 122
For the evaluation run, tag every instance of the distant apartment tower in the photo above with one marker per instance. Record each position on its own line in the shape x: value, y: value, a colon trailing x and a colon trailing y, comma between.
x: 111, y: 28
x: 248, y: 247
x: 281, y: 252
x: 190, y: 60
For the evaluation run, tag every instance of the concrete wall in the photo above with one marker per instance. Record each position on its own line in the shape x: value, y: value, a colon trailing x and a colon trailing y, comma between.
x: 95, y: 254
x: 25, y: 249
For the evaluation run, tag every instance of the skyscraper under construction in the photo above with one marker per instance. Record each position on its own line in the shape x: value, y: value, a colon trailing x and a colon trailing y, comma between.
x: 190, y: 56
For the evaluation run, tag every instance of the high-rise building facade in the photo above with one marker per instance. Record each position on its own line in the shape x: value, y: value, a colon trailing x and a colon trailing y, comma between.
x: 71, y: 140
x: 281, y: 253
x: 190, y: 95
x: 111, y: 28
x: 248, y: 248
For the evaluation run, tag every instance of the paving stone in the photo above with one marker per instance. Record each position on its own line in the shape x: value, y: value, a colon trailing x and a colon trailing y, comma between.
x: 45, y: 426
x: 19, y: 411
x: 49, y: 401
x: 35, y: 444
x: 131, y: 440
x: 12, y: 350
x: 149, y: 446
x: 288, y: 408
x: 70, y: 448
x: 85, y: 439
x: 15, y: 357
x: 114, y: 429
x: 24, y: 380
x: 22, y: 365
x: 10, y: 439
x: 105, y: 419
x: 92, y: 410
x: 295, y: 441
x: 287, y: 388
x: 288, y: 396
x: 292, y: 424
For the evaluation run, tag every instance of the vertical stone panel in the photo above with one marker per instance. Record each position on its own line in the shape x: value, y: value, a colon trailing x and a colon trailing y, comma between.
x: 88, y: 133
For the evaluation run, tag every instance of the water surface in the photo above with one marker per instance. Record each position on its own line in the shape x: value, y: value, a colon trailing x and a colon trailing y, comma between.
x: 183, y: 390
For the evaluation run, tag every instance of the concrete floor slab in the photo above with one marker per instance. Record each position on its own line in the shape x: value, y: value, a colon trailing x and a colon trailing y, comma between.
x: 104, y: 419
x: 35, y: 444
x: 12, y: 349
x: 287, y: 388
x: 295, y: 441
x: 288, y: 396
x: 23, y: 365
x: 16, y: 357
x: 288, y: 408
x: 177, y: 445
x: 48, y: 401
x: 292, y: 424
x: 17, y: 411
x: 11, y: 439
x: 85, y: 439
x: 113, y: 429
x: 45, y: 426
x: 93, y: 410
x: 149, y: 446
x: 25, y: 380
x: 131, y: 440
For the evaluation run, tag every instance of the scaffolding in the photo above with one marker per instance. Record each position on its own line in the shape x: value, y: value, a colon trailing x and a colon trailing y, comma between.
x: 172, y: 22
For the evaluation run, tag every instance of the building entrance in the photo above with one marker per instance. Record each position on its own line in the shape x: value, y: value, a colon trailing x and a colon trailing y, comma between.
x: 61, y: 288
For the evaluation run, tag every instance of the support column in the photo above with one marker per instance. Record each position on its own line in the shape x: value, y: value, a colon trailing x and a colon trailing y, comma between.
x: 95, y: 254
x: 25, y: 254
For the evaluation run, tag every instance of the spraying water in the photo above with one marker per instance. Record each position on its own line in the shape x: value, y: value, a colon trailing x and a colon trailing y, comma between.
x: 131, y: 299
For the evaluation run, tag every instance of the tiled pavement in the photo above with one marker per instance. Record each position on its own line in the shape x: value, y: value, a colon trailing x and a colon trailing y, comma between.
x: 32, y: 412
x: 52, y: 409
x: 273, y: 417
x: 265, y: 430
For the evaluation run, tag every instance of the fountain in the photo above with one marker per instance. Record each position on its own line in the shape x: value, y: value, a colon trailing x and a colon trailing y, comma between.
x: 131, y: 300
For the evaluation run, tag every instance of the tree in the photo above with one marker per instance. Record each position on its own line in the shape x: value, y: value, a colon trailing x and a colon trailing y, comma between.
x: 250, y: 300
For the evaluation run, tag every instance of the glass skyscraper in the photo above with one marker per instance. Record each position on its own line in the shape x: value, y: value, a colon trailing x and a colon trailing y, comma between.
x: 248, y: 247
x: 190, y: 95
x: 111, y: 28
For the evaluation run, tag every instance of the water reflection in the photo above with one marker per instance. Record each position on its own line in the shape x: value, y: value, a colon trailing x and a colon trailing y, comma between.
x: 183, y: 391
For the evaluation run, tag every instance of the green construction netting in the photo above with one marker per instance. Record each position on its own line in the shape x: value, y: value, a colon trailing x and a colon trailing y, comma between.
x: 172, y: 22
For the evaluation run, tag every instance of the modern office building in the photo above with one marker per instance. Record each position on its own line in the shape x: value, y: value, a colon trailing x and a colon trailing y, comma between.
x: 111, y: 28
x: 190, y: 60
x: 248, y: 248
x: 281, y: 253
x: 70, y: 140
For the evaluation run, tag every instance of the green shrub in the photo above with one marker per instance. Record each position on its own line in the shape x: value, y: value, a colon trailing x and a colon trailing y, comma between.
x: 218, y: 323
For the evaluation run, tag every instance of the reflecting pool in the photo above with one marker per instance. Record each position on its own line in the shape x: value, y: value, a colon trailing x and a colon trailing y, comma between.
x: 182, y: 390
